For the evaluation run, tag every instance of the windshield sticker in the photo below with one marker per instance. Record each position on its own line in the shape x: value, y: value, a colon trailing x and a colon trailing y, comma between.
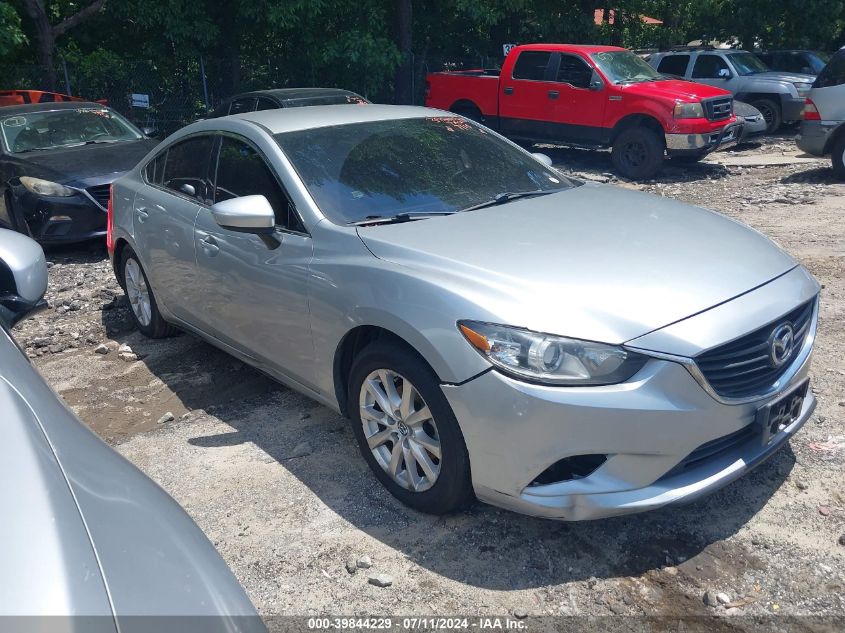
x: 14, y: 121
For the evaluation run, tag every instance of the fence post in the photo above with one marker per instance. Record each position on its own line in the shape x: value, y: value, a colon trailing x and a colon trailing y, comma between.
x: 204, y: 85
x: 67, y: 77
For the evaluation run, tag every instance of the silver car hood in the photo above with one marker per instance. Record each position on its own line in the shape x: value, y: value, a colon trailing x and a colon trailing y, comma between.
x: 594, y: 262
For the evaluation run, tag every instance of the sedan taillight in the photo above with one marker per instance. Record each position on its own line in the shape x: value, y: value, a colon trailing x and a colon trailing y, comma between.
x: 810, y: 111
x: 110, y: 222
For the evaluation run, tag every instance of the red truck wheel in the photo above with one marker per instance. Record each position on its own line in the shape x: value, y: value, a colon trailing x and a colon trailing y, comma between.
x: 638, y: 153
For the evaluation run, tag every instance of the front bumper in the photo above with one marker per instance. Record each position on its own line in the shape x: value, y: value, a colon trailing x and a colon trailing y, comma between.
x: 815, y: 136
x: 701, y: 144
x: 646, y: 427
x: 59, y: 220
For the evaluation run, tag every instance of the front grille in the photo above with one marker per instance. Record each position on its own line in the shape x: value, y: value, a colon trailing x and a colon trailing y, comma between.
x: 719, y: 109
x: 743, y: 367
x: 714, y: 448
x: 100, y: 193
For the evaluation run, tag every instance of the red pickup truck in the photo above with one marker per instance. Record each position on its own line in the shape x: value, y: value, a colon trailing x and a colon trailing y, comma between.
x: 596, y: 96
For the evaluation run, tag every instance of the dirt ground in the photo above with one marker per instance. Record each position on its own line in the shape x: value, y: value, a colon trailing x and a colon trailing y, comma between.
x: 278, y: 485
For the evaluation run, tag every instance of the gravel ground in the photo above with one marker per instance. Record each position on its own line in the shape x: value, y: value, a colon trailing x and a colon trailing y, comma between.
x: 277, y: 483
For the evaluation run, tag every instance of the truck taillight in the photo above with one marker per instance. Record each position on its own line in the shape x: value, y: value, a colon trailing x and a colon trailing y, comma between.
x: 110, y: 222
x: 810, y: 112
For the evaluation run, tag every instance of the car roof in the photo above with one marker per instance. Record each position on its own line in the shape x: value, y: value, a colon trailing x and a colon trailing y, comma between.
x: 54, y: 105
x: 308, y: 117
x: 293, y: 93
x: 561, y: 48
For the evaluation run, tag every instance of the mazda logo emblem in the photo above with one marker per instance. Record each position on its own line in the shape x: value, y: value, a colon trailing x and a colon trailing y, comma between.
x: 781, y: 344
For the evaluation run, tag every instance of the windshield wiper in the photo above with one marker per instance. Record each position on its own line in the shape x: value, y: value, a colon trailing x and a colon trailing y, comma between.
x: 509, y: 196
x: 410, y: 216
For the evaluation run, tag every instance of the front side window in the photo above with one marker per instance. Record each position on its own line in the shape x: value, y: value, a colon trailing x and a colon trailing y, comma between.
x: 186, y: 167
x: 674, y: 65
x: 574, y: 71
x: 52, y: 129
x: 531, y: 65
x: 421, y: 165
x: 241, y: 171
x: 266, y: 104
x: 623, y: 67
x: 242, y: 105
x: 710, y: 67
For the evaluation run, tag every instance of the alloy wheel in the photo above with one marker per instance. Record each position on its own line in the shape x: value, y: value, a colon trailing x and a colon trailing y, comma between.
x: 400, y: 430
x: 137, y: 292
x: 635, y: 154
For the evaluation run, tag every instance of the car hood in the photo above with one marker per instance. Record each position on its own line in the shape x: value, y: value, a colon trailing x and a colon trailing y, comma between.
x: 594, y: 262
x: 675, y: 89
x: 87, y: 164
x: 775, y: 75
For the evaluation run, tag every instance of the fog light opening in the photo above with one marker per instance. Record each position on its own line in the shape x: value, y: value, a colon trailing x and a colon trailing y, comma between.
x: 569, y: 468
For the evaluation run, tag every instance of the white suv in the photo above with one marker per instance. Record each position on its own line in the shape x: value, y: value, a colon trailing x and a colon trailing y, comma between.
x: 823, y: 127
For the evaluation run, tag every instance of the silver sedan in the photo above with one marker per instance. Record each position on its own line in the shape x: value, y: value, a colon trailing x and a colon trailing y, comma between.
x: 491, y: 327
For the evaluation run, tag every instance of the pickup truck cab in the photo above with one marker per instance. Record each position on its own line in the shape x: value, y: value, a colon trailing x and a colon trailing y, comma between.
x: 596, y: 96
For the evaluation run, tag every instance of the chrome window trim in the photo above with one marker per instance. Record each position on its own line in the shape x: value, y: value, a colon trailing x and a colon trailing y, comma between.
x: 785, y: 379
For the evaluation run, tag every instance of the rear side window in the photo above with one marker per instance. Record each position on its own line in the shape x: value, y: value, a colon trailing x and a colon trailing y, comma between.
x: 242, y: 105
x: 574, y: 71
x: 154, y: 171
x: 266, y: 104
x: 674, y: 65
x: 186, y: 167
x: 241, y: 171
x: 834, y: 73
x: 710, y: 67
x: 531, y: 65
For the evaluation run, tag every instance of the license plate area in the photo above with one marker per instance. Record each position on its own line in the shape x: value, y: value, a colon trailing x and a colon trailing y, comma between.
x: 775, y: 416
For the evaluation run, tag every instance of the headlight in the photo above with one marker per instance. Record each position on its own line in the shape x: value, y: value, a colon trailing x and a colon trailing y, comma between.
x: 45, y: 187
x: 548, y: 359
x: 803, y: 89
x: 689, y: 111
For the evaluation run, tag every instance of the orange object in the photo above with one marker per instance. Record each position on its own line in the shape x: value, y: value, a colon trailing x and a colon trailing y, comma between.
x: 19, y: 97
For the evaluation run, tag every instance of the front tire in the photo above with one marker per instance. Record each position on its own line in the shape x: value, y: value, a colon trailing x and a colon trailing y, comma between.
x: 771, y: 113
x: 838, y: 157
x: 407, y: 431
x: 638, y: 153
x: 142, y: 302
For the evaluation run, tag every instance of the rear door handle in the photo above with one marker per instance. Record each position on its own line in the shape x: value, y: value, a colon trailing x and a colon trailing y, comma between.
x: 209, y: 245
x: 553, y: 94
x: 508, y: 90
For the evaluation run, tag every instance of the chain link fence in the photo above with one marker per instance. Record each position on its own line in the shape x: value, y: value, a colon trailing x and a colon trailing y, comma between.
x: 166, y: 99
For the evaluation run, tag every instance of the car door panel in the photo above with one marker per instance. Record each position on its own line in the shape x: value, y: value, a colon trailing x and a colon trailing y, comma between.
x: 525, y: 103
x: 578, y: 112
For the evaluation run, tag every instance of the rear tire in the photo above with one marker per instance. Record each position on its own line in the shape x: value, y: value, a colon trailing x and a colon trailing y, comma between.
x: 142, y: 302
x: 771, y: 113
x: 469, y: 111
x: 638, y: 153
x: 838, y: 157
x: 436, y: 482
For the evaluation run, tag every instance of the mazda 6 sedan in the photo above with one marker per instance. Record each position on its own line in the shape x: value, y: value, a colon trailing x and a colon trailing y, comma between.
x: 491, y: 327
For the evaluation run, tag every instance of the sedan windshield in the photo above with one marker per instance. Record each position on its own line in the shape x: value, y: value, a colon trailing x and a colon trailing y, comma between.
x: 51, y: 129
x: 411, y: 167
x: 748, y: 64
x: 623, y: 67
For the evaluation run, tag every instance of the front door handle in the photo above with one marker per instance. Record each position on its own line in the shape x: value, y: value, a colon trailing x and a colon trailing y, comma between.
x: 142, y: 214
x: 553, y: 94
x: 508, y: 90
x: 209, y: 246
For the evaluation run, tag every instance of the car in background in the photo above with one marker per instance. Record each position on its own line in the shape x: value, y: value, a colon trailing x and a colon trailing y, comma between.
x: 795, y: 61
x: 57, y: 162
x: 778, y: 95
x: 589, y: 350
x: 753, y: 121
x: 593, y: 96
x: 823, y: 127
x: 21, y: 97
x: 285, y: 98
x: 87, y: 533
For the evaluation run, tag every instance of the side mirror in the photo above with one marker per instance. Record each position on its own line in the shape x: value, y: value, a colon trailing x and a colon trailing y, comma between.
x: 149, y: 131
x: 596, y: 83
x: 23, y: 277
x: 247, y: 214
x: 543, y: 158
x: 724, y: 73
